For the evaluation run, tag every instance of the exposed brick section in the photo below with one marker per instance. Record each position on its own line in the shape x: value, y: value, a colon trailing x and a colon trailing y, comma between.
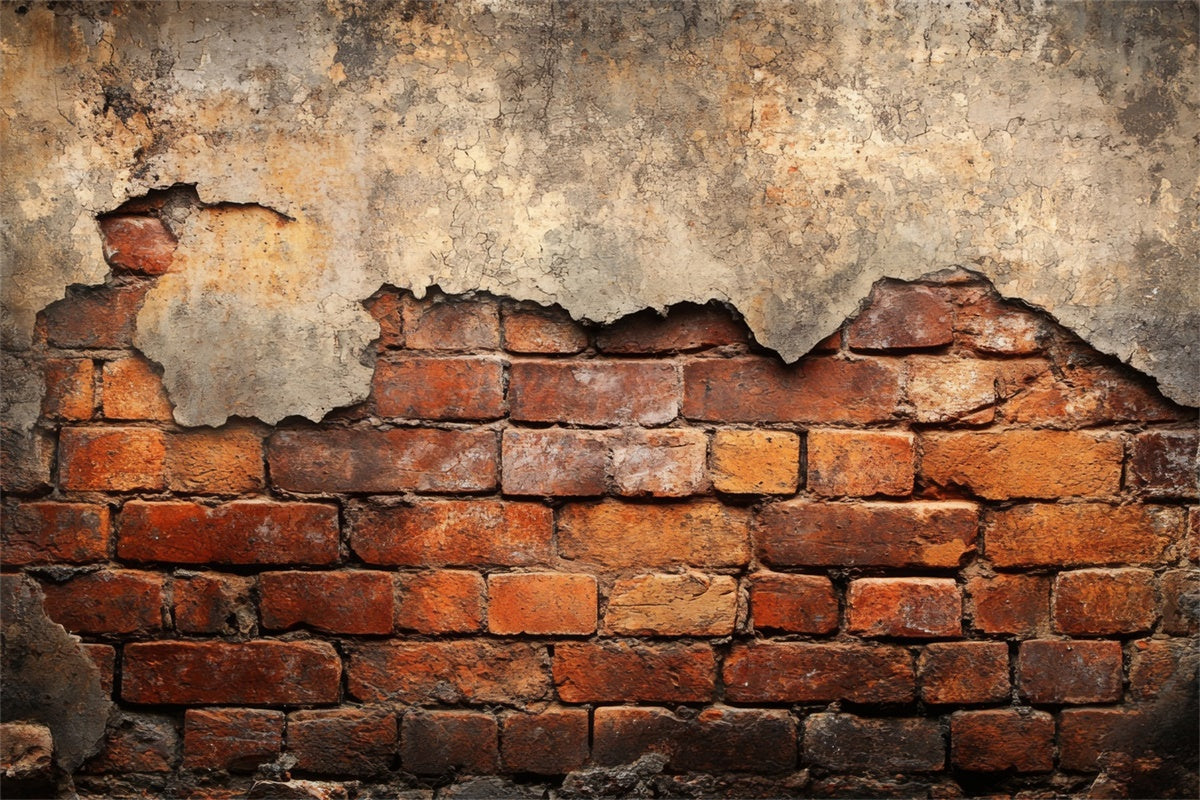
x: 224, y: 461
x: 803, y: 533
x: 666, y: 463
x: 343, y: 741
x: 552, y: 742
x: 703, y: 534
x: 848, y: 743
x: 258, y: 672
x: 942, y: 390
x: 564, y: 463
x: 241, y: 532
x: 440, y: 601
x: 904, y: 607
x: 685, y: 327
x: 1016, y: 604
x: 211, y: 602
x: 1163, y: 464
x: 453, y: 326
x: 716, y: 740
x: 101, y: 317
x: 859, y: 463
x: 996, y: 740
x: 234, y: 739
x: 549, y: 332
x: 1085, y: 734
x: 542, y: 603
x: 109, y: 601
x: 1056, y: 671
x: 1104, y: 601
x: 964, y: 672
x: 386, y: 307
x: 903, y: 316
x: 594, y: 392
x: 800, y: 672
x: 111, y: 459
x: 755, y: 462
x: 1181, y: 602
x: 133, y: 390
x: 352, y: 601
x: 987, y: 324
x: 104, y: 656
x: 793, y: 603
x: 399, y: 460
x: 466, y: 671
x: 1159, y: 663
x: 50, y: 532
x: 452, y: 532
x: 136, y: 743
x: 630, y: 671
x: 138, y: 243
x: 70, y: 389
x: 439, y: 388
x: 1069, y: 395
x: 818, y: 390
x: 1021, y: 463
x: 439, y: 742
x: 672, y: 605
x: 1080, y: 534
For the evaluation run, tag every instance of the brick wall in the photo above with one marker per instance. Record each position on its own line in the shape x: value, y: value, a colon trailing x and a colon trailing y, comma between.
x: 952, y: 551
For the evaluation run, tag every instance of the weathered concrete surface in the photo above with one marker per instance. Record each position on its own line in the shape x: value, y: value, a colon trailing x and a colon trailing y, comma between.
x: 781, y: 156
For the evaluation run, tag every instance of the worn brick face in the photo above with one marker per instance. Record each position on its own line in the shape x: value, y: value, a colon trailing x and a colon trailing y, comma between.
x: 903, y: 316
x: 672, y: 605
x: 964, y: 672
x: 108, y: 601
x: 1073, y: 672
x: 685, y: 327
x: 1181, y: 602
x: 102, y: 317
x: 1016, y: 604
x: 343, y: 741
x: 212, y: 602
x: 755, y: 462
x: 848, y: 743
x: 234, y: 739
x: 541, y: 603
x: 632, y: 671
x: 995, y: 740
x: 944, y: 390
x: 111, y: 459
x: 552, y: 742
x: 132, y: 390
x: 439, y: 388
x: 70, y: 389
x: 138, y: 243
x: 433, y: 324
x: 600, y: 393
x: 1034, y: 535
x: 560, y: 462
x: 350, y: 601
x: 51, y: 532
x: 859, y: 463
x: 1086, y: 734
x: 546, y: 332
x: 1163, y: 464
x: 667, y: 463
x: 440, y: 601
x: 702, y: 534
x: 793, y: 603
x: 438, y: 742
x: 452, y: 671
x: 904, y: 607
x: 225, y: 461
x: 1104, y: 601
x: 133, y: 742
x: 800, y: 672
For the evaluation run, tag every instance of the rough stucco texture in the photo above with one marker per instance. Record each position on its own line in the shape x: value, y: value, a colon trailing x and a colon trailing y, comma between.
x: 779, y: 156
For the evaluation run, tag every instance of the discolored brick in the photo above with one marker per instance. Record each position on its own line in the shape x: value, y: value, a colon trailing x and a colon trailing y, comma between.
x: 700, y: 534
x: 599, y: 393
x: 1163, y: 463
x: 942, y: 390
x: 691, y: 604
x: 666, y: 463
x: 685, y: 327
x: 793, y: 603
x: 1016, y: 604
x: 136, y: 742
x: 51, y: 532
x: 343, y: 741
x: 563, y: 463
x: 96, y: 317
x: 108, y: 601
x: 138, y: 243
x: 755, y: 462
x: 904, y: 607
x: 451, y: 671
x: 964, y: 672
x: 223, y: 461
x: 859, y: 463
x: 1104, y: 601
x: 212, y: 602
x: 437, y: 742
x: 1058, y: 671
x: 1002, y: 739
x: 1181, y: 602
x: 802, y: 672
x: 133, y: 390
x: 451, y: 324
x: 464, y: 388
x: 551, y: 742
x: 1086, y: 734
x: 544, y: 331
x: 70, y: 389
x: 902, y: 317
x: 845, y: 742
x: 234, y: 739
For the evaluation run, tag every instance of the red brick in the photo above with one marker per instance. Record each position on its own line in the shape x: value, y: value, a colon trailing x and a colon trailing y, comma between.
x: 1021, y: 463
x: 815, y: 390
x: 1015, y: 604
x: 351, y: 601
x: 685, y: 327
x: 552, y: 742
x: 1163, y: 464
x: 793, y: 603
x: 964, y: 672
x: 111, y: 459
x: 459, y: 742
x: 801, y: 672
x: 904, y: 607
x: 715, y: 740
x: 234, y: 739
x: 451, y: 324
x: 755, y: 462
x: 663, y: 463
x: 460, y: 671
x: 104, y: 656
x: 386, y: 306
x: 133, y: 390
x: 594, y: 392
x: 942, y: 390
x: 691, y: 604
x: 452, y: 532
x: 70, y: 389
x: 901, y: 317
x: 541, y: 603
x: 634, y: 671
x: 240, y: 532
x: 343, y: 741
x: 463, y: 388
x: 224, y: 461
x: 441, y: 601
x: 109, y: 601
x: 1104, y: 601
x: 398, y: 460
x: 1058, y: 671
x: 1002, y: 739
x: 138, y: 243
x: 1181, y: 602
x: 1085, y: 734
x: 257, y: 672
x: 546, y: 331
x: 96, y: 317
x: 26, y: 460
x: 136, y: 743
x: 1036, y: 535
x: 848, y: 743
x: 49, y: 532
x: 210, y: 602
x: 988, y: 324
x: 701, y: 534
x: 803, y: 533
x: 859, y: 463
x: 564, y: 463
x: 1158, y: 664
x: 1079, y: 395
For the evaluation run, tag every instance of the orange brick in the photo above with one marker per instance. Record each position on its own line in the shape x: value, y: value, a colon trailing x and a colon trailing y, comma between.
x: 1081, y: 534
x: 541, y: 603
x: 944, y: 390
x: 544, y: 331
x: 133, y: 390
x: 108, y: 601
x: 1104, y: 601
x: 901, y: 317
x: 803, y: 672
x: 988, y: 324
x: 70, y: 389
x: 96, y: 317
x: 1024, y: 464
x: 599, y: 393
x: 138, y: 243
x: 1056, y: 671
x: 964, y: 672
x: 666, y: 463
x: 904, y: 607
x: 793, y: 603
x: 634, y: 671
x: 349, y: 601
x: 563, y: 463
x: 111, y: 459
x: 212, y: 602
x: 1016, y: 604
x: 755, y: 462
x: 457, y: 671
x: 859, y: 463
x: 672, y: 605
x: 386, y: 307
x: 685, y: 327
x: 552, y: 742
x: 462, y: 388
x: 1071, y: 395
x: 49, y: 532
x: 451, y: 324
x: 440, y: 601
x: 223, y: 461
x: 1002, y: 739
x: 701, y: 534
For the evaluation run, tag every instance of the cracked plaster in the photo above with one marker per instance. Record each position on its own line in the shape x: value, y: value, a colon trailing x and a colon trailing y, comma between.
x: 778, y: 156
